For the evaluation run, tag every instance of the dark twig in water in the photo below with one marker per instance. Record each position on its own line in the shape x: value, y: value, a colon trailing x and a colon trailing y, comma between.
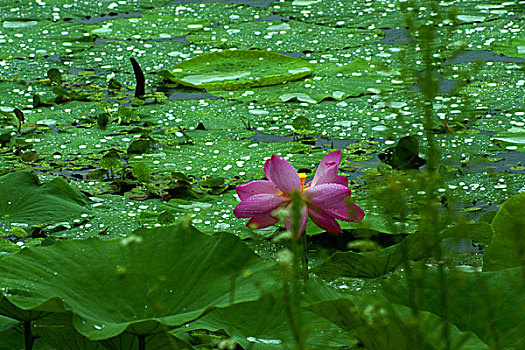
x: 140, y: 89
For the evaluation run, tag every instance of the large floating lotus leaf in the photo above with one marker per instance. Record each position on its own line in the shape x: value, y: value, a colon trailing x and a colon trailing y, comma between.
x: 148, y: 26
x: 226, y: 158
x: 387, y: 14
x: 238, y: 69
x: 494, y: 86
x: 29, y: 69
x: 263, y: 325
x: 25, y: 201
x: 21, y: 9
x: 380, y: 325
x: 207, y: 213
x: 163, y: 276
x: 291, y: 36
x: 480, y: 36
x: 28, y: 39
x: 507, y: 249
x: 490, y: 304
x: 495, y: 188
x: 513, y: 47
x: 329, y: 81
x: 214, y: 12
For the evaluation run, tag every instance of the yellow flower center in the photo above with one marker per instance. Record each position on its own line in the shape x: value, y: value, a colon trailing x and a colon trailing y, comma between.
x: 302, y: 177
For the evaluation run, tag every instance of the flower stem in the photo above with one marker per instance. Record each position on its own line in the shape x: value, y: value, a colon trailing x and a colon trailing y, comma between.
x: 304, y: 256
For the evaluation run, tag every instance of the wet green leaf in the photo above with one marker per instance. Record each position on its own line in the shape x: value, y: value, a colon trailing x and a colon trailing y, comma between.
x: 148, y: 26
x: 405, y: 155
x: 238, y: 69
x: 382, y: 325
x: 26, y: 202
x: 53, y: 39
x: 142, y: 172
x: 513, y: 47
x: 507, y: 248
x: 144, y: 276
x: 273, y: 35
x: 489, y: 304
x: 329, y: 81
x: 20, y: 9
x: 263, y: 324
x: 54, y: 75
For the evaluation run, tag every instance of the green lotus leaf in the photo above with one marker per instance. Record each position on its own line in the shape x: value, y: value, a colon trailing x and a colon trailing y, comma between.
x: 263, y: 325
x: 279, y: 36
x: 27, y: 202
x: 153, y: 278
x: 238, y: 69
x: 507, y: 247
x: 381, y: 325
x: 58, y: 333
x: 149, y: 26
x: 7, y: 323
x: 387, y: 14
x: 490, y: 304
x: 53, y: 38
x: 330, y: 81
x: 64, y: 9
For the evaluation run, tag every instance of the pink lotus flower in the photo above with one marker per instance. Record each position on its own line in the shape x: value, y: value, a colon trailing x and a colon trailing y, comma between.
x: 324, y: 199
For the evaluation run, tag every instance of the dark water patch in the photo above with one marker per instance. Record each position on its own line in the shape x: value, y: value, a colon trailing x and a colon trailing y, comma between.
x: 186, y: 93
x: 485, y: 56
x: 445, y: 86
x: 104, y: 18
x: 394, y: 36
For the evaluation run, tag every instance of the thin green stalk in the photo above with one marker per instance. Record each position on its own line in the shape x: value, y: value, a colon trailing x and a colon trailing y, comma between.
x: 295, y: 271
x: 304, y: 254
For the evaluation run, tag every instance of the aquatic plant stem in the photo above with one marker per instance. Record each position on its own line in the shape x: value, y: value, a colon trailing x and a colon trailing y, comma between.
x: 142, y: 342
x: 28, y: 337
x: 304, y: 255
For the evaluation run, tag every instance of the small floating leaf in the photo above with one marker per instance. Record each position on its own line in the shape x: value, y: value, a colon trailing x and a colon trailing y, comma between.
x: 239, y: 69
x: 404, y: 155
x: 142, y: 172
x: 54, y: 75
